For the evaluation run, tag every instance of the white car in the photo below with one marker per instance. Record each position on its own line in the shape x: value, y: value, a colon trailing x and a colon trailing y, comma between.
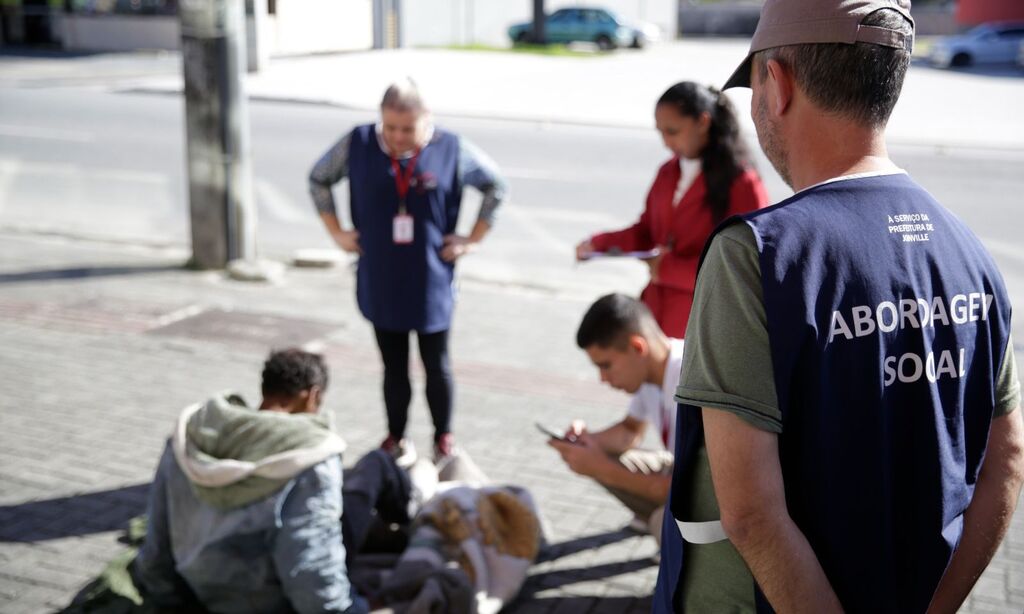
x: 990, y: 43
x: 645, y: 33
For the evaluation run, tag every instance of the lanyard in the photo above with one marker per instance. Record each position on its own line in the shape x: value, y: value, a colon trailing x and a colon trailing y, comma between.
x: 402, y: 181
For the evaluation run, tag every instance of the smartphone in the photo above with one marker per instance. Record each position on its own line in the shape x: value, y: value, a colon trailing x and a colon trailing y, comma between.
x: 553, y: 434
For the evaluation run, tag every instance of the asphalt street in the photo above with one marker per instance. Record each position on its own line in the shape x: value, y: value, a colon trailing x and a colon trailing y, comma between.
x: 92, y: 163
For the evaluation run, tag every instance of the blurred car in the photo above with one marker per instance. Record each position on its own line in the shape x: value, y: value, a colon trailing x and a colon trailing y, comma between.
x: 592, y: 25
x: 1020, y: 55
x: 989, y: 43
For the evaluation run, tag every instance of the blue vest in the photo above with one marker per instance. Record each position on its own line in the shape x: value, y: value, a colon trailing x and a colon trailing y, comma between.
x: 888, y: 323
x: 403, y: 287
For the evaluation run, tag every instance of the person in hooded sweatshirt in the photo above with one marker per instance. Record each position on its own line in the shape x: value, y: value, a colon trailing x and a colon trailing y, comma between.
x: 245, y: 506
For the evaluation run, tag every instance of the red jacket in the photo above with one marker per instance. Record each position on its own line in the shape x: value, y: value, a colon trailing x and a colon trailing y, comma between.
x: 687, y: 226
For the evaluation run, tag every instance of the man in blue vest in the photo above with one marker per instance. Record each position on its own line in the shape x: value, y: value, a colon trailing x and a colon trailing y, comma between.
x: 849, y: 434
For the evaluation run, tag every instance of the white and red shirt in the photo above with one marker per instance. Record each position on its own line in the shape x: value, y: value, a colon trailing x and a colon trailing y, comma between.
x: 657, y: 405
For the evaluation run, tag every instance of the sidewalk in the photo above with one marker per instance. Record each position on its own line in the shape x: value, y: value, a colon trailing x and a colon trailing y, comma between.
x: 104, y: 344
x: 619, y: 89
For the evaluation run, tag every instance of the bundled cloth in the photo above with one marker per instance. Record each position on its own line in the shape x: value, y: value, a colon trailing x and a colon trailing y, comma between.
x: 470, y: 551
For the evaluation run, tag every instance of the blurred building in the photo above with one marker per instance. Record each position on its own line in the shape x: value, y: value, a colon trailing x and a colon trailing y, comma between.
x: 486, y: 22
x: 973, y: 12
x: 739, y: 17
x: 275, y: 26
x: 282, y: 27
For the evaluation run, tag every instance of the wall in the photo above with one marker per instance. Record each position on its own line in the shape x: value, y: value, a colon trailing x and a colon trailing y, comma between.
x: 117, y: 32
x: 741, y: 18
x: 719, y: 19
x: 311, y: 26
x: 300, y: 26
x: 935, y: 20
x: 973, y: 12
x: 435, y: 23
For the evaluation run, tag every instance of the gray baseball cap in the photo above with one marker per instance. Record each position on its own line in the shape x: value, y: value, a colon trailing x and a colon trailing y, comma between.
x: 798, y: 22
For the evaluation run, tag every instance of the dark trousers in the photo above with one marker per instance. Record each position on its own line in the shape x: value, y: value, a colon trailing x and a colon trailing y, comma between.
x: 375, y: 495
x: 394, y: 351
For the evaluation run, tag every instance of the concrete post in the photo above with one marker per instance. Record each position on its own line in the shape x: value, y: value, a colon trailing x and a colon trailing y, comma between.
x: 539, y: 35
x: 217, y: 122
x: 387, y: 24
x: 256, y: 35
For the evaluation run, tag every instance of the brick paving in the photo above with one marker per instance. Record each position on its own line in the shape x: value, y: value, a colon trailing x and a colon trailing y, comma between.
x: 103, y: 344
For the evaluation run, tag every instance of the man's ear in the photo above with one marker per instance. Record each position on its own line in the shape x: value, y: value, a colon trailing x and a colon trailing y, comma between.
x: 314, y: 396
x: 779, y: 88
x: 638, y: 343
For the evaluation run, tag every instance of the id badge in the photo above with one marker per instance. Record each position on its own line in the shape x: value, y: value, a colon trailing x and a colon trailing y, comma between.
x: 402, y: 229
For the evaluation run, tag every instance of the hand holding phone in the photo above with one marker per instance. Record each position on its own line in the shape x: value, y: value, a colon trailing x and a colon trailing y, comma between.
x: 553, y: 434
x: 576, y: 429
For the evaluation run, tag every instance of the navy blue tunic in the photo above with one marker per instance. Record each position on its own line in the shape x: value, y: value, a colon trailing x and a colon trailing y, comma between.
x: 888, y: 322
x: 404, y: 287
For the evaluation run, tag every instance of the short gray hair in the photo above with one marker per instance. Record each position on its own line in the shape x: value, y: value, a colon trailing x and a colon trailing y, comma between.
x: 402, y: 96
x: 861, y: 81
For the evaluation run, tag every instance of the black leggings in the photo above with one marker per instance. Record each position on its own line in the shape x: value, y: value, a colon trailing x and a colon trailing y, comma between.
x: 394, y: 350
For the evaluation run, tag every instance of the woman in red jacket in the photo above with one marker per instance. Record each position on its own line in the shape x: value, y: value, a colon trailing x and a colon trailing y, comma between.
x: 708, y: 179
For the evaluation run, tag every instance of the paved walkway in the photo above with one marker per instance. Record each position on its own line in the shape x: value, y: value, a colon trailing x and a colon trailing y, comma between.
x: 103, y: 345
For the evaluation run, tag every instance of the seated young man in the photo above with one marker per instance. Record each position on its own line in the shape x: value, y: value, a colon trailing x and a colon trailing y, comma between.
x: 622, y: 339
x: 245, y: 506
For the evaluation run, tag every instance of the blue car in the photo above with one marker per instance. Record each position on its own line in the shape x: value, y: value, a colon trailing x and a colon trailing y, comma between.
x: 591, y: 25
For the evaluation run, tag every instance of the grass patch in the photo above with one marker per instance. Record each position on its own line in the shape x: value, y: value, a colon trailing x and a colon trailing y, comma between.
x: 550, y: 50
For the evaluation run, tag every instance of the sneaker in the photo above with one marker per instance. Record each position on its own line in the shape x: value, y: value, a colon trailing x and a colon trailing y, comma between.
x: 423, y: 485
x: 445, y: 449
x: 402, y: 450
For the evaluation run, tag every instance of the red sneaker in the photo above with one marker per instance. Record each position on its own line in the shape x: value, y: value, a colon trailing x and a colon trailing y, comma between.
x: 445, y: 448
x: 401, y: 450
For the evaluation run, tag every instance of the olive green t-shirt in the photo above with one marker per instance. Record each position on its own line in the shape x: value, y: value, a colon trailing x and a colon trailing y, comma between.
x: 727, y: 365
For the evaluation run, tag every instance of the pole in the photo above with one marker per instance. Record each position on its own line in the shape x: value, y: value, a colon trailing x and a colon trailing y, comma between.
x: 539, y: 36
x: 217, y: 124
x: 257, y: 49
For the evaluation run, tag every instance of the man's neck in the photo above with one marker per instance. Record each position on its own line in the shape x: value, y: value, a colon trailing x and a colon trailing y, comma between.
x: 661, y: 349
x: 838, y: 149
x: 275, y: 405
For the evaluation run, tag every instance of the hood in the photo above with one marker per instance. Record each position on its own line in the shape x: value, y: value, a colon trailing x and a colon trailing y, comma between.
x: 234, y: 455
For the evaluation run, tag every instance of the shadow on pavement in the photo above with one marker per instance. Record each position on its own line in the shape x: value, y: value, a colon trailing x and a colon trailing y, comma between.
x: 619, y: 605
x: 95, y: 512
x: 561, y: 577
x: 588, y: 542
x: 93, y: 272
x: 556, y: 578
